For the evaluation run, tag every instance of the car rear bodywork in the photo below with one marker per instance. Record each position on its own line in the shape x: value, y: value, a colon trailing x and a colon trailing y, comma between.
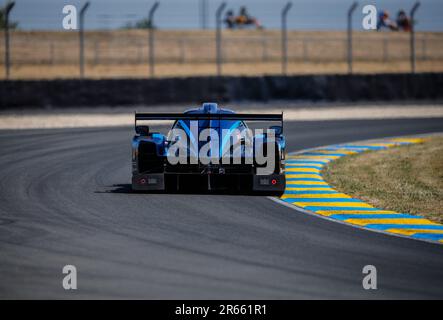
x: 152, y: 152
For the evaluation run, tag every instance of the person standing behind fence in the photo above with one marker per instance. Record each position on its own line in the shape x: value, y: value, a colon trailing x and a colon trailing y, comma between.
x: 230, y: 19
x: 403, y: 22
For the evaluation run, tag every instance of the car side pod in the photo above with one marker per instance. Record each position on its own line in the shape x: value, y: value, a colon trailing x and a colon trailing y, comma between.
x: 273, y: 183
x: 146, y: 182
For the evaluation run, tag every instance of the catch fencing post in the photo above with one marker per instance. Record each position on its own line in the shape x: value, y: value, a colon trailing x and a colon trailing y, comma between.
x: 96, y: 54
x: 305, y: 49
x: 82, y: 39
x: 385, y: 50
x: 51, y: 53
x: 412, y: 38
x: 284, y: 38
x: 8, y: 9
x: 218, y: 38
x: 264, y: 43
x: 182, y: 50
x: 151, y: 39
x: 350, y: 11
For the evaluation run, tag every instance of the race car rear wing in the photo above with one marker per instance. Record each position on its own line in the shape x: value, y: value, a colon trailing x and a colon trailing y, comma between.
x: 209, y: 116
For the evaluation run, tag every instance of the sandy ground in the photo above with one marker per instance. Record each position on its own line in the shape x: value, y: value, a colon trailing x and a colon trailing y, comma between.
x: 41, y: 71
x: 108, y: 117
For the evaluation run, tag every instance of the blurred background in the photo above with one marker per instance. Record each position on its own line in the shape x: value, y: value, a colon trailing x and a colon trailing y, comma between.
x: 121, y: 39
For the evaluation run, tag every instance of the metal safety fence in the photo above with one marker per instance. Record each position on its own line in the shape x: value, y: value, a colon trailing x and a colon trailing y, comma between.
x: 133, y: 47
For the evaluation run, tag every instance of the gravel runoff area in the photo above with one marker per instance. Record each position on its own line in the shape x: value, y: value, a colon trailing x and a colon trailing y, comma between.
x: 124, y: 116
x: 405, y: 179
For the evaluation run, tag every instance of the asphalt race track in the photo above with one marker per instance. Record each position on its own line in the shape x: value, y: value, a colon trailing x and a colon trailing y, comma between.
x: 65, y: 199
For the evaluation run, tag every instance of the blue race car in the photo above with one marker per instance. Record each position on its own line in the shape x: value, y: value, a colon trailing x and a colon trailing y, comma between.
x: 209, y: 148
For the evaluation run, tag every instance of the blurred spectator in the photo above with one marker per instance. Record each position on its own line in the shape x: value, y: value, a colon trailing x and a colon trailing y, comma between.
x: 240, y: 21
x: 230, y: 19
x: 245, y: 19
x: 403, y: 22
x: 384, y: 21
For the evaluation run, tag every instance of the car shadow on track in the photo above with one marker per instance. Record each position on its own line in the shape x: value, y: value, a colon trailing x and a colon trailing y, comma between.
x: 127, y: 189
